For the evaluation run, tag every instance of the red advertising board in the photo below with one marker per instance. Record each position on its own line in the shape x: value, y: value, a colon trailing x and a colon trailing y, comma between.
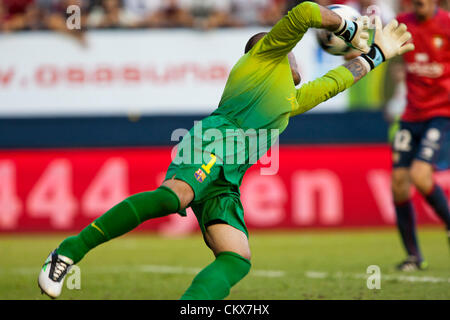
x: 314, y: 187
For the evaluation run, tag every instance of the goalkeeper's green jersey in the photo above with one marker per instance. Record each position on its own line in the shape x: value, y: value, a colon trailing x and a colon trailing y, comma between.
x: 260, y: 91
x: 259, y: 94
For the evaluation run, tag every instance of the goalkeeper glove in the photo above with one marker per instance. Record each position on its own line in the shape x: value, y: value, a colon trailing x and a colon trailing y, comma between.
x: 355, y: 33
x: 388, y: 43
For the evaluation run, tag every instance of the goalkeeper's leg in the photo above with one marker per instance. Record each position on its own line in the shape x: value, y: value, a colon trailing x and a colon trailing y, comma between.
x: 126, y: 216
x: 171, y: 197
x: 232, y: 264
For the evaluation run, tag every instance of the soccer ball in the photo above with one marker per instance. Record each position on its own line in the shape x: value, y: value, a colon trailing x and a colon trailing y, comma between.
x: 331, y: 43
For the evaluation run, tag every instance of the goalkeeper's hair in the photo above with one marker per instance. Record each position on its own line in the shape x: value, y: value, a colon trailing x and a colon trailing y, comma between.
x: 254, y: 40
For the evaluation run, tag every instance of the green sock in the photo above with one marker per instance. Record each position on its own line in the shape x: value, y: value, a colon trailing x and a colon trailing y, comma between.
x: 215, y: 281
x: 119, y: 220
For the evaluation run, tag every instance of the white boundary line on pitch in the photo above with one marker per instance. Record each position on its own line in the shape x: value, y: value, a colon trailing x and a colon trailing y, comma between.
x: 150, y: 268
x: 312, y: 274
x: 181, y: 270
x: 405, y: 278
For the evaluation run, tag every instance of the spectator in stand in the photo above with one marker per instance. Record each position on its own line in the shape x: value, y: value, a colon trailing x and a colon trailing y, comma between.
x: 380, y: 8
x: 47, y: 6
x: 12, y: 13
x: 292, y: 3
x: 255, y: 12
x: 203, y: 14
x: 110, y: 14
x: 172, y: 14
x: 140, y: 12
x: 273, y: 12
x: 3, y: 17
x: 16, y: 7
x: 34, y: 18
x: 210, y: 14
x: 405, y: 6
x: 56, y: 18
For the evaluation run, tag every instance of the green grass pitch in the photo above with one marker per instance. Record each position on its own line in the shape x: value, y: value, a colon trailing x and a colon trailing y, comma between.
x: 286, y: 265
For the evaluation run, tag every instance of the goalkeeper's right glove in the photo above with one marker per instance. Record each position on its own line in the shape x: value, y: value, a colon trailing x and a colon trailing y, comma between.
x: 355, y: 33
x: 388, y: 43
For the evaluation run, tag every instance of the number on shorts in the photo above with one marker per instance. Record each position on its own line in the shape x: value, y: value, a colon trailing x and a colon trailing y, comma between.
x: 402, y: 140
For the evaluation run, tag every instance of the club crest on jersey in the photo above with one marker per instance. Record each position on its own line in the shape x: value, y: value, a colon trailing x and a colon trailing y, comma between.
x: 200, y: 175
x: 438, y: 42
x: 293, y: 101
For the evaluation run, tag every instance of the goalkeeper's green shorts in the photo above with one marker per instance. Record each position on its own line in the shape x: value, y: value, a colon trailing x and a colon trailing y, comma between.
x: 226, y: 208
x: 215, y: 183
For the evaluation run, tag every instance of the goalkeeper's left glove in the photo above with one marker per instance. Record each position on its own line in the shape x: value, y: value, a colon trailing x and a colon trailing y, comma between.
x: 388, y: 43
x: 355, y: 33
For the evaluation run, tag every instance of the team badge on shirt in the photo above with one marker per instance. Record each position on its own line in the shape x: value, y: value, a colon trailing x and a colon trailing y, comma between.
x: 438, y: 42
x: 200, y: 175
x: 293, y: 101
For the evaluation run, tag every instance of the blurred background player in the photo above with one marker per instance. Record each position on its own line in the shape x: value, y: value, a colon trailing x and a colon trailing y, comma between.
x: 424, y: 125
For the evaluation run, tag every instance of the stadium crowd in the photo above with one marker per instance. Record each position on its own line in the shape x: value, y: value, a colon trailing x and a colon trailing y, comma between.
x: 18, y: 15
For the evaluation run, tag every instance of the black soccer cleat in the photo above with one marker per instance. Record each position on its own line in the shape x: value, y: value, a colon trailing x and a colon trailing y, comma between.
x: 412, y: 264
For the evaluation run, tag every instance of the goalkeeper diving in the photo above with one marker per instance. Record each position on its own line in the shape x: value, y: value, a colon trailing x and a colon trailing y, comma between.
x: 260, y: 96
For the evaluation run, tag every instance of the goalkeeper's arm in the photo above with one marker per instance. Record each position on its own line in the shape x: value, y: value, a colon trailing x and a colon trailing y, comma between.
x: 285, y: 35
x: 388, y: 43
